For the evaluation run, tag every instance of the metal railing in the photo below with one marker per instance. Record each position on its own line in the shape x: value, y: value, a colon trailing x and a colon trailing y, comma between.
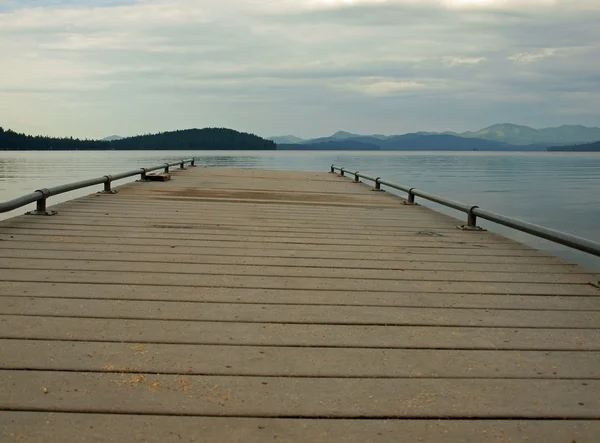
x: 41, y: 195
x: 474, y: 211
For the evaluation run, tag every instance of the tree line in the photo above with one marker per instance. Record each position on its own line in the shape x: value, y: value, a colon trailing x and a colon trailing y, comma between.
x: 588, y: 147
x: 186, y: 139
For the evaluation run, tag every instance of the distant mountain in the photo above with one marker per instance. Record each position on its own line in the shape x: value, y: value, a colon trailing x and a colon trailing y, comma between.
x: 343, y: 135
x: 437, y: 133
x: 411, y: 142
x: 112, y: 138
x: 588, y: 147
x: 381, y: 136
x: 335, y: 145
x: 188, y: 139
x: 286, y: 139
x: 445, y: 142
x: 571, y: 134
x: 338, y: 136
x: 524, y: 135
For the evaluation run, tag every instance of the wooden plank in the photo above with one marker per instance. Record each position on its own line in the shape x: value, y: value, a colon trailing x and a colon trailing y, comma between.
x: 169, y: 201
x: 300, y: 297
x: 109, y: 208
x: 396, y: 253
x: 372, y: 275
x: 297, y: 362
x: 374, y: 214
x: 306, y: 216
x: 297, y: 397
x: 499, y: 283
x: 167, y: 223
x: 225, y: 234
x: 273, y: 334
x: 234, y: 222
x: 484, y: 264
x: 346, y: 244
x: 307, y: 284
x: 99, y: 428
x: 297, y: 314
x: 272, y: 243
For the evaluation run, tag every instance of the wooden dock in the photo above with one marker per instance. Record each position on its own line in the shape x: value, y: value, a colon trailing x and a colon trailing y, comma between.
x: 263, y: 306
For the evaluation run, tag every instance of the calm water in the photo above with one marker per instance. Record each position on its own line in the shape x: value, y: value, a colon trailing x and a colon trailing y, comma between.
x: 561, y: 191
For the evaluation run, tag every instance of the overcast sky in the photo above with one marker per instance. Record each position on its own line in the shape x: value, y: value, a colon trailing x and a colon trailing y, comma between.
x: 92, y: 68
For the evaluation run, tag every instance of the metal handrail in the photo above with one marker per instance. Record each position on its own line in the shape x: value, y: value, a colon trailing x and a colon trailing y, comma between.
x: 474, y: 211
x: 41, y: 195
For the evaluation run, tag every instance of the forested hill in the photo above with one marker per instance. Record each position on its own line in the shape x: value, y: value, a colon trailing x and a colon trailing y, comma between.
x: 187, y: 139
x: 195, y: 139
x: 588, y: 147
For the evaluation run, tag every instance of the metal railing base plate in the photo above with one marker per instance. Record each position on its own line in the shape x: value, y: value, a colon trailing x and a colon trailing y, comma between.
x: 107, y: 192
x: 470, y: 228
x: 46, y: 213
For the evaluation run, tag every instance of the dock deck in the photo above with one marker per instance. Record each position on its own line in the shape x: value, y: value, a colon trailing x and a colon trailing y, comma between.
x: 268, y: 306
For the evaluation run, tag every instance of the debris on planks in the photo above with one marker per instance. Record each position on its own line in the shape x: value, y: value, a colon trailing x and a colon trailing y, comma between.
x: 159, y: 177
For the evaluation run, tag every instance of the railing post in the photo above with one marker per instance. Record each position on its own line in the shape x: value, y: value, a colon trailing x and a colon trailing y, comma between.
x: 108, y: 186
x: 356, y: 177
x: 166, y: 168
x: 411, y: 197
x: 193, y: 163
x: 182, y: 165
x: 332, y: 170
x: 342, y: 172
x: 377, y: 184
x: 40, y: 205
x: 143, y: 176
x: 471, y: 220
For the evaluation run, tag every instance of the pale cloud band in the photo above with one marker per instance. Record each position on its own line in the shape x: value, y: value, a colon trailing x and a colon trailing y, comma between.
x: 91, y: 68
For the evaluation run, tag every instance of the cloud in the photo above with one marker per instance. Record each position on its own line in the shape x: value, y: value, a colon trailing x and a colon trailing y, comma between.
x: 452, y: 61
x: 529, y: 57
x: 92, y: 68
x: 384, y: 88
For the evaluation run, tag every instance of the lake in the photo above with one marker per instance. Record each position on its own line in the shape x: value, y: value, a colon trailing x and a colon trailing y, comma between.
x: 557, y: 190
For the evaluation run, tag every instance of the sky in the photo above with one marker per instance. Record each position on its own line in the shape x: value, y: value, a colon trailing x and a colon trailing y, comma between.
x: 91, y: 68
